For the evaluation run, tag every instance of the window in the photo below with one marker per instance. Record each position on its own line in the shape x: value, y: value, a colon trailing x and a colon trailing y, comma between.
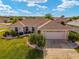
x: 25, y: 29
x: 16, y: 29
x: 33, y: 29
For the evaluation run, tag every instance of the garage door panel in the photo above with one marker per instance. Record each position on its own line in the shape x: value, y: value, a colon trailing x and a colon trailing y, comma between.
x: 55, y: 35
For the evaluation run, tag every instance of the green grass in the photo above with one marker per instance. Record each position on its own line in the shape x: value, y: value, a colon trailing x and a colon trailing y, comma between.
x: 77, y: 49
x: 4, y: 24
x: 17, y: 49
x: 13, y: 49
x: 2, y: 31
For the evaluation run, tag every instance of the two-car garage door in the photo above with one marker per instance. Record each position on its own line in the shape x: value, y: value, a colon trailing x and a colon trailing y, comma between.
x: 55, y: 39
x: 55, y: 35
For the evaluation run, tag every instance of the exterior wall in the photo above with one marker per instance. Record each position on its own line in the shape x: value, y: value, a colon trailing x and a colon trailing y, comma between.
x: 20, y: 29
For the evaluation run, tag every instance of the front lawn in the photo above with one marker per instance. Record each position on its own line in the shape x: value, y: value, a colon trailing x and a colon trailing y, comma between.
x: 3, y: 30
x: 4, y: 24
x: 17, y: 49
x: 77, y: 49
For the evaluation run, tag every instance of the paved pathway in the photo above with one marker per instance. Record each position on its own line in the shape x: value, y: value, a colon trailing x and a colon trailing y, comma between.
x: 55, y: 53
x: 60, y: 51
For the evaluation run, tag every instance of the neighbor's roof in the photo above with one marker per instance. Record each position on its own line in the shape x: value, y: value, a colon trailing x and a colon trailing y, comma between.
x: 3, y: 19
x: 53, y: 25
x: 75, y: 22
x: 59, y: 20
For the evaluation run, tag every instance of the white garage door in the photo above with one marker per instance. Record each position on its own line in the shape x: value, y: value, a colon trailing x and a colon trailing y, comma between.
x: 55, y: 35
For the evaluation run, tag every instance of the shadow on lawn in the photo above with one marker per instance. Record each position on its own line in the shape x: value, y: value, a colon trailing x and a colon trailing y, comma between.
x: 34, y: 54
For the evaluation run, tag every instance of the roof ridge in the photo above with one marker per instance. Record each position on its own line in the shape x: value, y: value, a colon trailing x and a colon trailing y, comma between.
x: 44, y: 24
x: 21, y: 23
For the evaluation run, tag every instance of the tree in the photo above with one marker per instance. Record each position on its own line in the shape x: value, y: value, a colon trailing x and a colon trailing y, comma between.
x: 75, y: 17
x: 15, y: 19
x: 37, y: 39
x: 70, y: 19
x: 62, y: 16
x: 48, y: 16
x: 62, y: 23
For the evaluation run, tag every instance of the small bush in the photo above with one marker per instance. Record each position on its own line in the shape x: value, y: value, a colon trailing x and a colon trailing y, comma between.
x: 13, y: 33
x: 37, y: 39
x: 73, y: 36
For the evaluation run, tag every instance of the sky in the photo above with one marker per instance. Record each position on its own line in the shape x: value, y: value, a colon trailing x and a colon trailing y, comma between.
x: 39, y: 7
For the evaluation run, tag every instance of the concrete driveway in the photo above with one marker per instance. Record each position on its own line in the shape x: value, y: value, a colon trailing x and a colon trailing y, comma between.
x: 59, y: 50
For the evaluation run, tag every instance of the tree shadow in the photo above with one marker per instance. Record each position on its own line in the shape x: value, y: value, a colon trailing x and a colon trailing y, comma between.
x: 34, y: 54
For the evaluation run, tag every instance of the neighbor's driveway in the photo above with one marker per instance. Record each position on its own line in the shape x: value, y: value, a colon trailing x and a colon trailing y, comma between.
x: 60, y: 51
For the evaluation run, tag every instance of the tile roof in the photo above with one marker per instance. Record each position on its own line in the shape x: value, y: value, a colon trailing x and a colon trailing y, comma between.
x: 36, y: 22
x: 16, y: 24
x: 53, y: 25
x: 30, y: 22
x: 74, y: 22
x: 61, y: 19
x: 33, y: 22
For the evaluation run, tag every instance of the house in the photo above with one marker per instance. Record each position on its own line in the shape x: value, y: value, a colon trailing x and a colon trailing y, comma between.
x: 4, y: 20
x: 49, y: 28
x: 59, y: 19
x: 74, y: 23
x: 28, y: 25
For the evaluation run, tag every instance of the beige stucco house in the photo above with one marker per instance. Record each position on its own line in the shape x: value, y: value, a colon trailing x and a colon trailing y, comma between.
x: 49, y: 28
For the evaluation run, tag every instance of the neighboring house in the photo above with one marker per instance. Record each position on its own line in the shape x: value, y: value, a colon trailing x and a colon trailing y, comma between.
x: 1, y: 21
x: 74, y: 23
x: 4, y: 20
x: 49, y: 28
x: 59, y: 20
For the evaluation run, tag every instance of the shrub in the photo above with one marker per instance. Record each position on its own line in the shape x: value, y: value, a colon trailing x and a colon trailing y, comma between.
x: 41, y: 40
x: 6, y: 33
x: 73, y: 36
x: 37, y: 39
x: 32, y: 38
x: 13, y: 33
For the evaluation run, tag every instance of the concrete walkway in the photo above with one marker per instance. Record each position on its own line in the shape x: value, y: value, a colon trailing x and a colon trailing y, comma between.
x: 60, y: 50
x: 58, y: 53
